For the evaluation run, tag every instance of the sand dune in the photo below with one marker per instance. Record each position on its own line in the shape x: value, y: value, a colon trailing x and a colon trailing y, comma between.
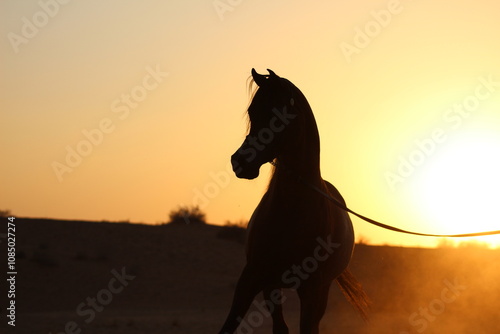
x: 131, y: 278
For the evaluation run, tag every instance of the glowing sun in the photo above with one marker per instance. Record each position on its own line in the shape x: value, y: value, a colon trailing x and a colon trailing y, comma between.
x: 459, y: 186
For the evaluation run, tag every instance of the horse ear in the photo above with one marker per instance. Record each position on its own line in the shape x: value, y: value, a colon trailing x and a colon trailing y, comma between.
x: 272, y: 74
x: 259, y: 79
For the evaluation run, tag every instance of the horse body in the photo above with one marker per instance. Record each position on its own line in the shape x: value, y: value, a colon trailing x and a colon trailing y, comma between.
x: 296, y: 237
x: 286, y: 224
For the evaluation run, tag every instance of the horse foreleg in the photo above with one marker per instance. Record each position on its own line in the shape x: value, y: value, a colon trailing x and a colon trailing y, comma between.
x: 313, y: 301
x: 249, y: 284
x: 276, y: 309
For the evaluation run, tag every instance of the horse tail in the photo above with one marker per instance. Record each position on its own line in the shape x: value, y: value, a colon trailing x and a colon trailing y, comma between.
x: 354, y: 293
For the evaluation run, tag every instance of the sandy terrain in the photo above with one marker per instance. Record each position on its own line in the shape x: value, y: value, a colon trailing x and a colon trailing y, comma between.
x: 83, y: 277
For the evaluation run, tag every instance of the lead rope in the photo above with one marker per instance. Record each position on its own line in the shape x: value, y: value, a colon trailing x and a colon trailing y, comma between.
x: 392, y: 228
x: 388, y: 227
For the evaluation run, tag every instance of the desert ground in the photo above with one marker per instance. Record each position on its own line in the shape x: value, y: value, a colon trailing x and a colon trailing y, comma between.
x: 101, y: 277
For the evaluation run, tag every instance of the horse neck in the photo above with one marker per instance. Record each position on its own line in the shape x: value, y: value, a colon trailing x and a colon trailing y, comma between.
x: 305, y: 166
x: 300, y: 158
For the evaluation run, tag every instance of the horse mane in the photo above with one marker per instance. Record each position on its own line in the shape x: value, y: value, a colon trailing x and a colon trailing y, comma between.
x: 251, y: 90
x: 308, y: 129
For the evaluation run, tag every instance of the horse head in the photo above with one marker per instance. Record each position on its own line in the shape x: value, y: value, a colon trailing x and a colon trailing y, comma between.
x: 271, y: 115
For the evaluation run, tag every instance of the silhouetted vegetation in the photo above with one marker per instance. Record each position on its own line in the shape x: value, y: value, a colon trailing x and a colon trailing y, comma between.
x: 5, y: 213
x: 363, y: 240
x: 233, y: 231
x: 470, y: 244
x: 187, y: 215
x: 105, y: 221
x: 448, y: 243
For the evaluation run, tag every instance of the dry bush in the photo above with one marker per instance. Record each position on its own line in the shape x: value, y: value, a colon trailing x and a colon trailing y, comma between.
x: 187, y: 215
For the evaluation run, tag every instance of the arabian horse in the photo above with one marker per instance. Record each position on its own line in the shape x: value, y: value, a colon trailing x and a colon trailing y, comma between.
x: 296, y: 237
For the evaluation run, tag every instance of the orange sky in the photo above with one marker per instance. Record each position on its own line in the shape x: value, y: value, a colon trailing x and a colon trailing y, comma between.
x: 122, y: 110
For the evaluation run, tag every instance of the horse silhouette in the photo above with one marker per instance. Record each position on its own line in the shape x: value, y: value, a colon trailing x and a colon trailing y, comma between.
x: 296, y: 237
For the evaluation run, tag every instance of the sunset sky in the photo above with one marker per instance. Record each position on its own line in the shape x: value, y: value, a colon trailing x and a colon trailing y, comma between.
x: 123, y: 110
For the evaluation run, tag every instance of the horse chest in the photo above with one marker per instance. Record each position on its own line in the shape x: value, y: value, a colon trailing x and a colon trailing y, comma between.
x: 282, y: 230
x: 279, y: 214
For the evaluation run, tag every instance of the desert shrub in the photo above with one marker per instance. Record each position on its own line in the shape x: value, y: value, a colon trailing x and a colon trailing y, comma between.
x: 362, y: 240
x: 446, y: 243
x: 5, y: 213
x: 187, y: 215
x: 473, y: 244
x: 233, y: 231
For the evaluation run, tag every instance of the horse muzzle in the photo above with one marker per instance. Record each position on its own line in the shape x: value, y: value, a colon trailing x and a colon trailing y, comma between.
x: 243, y: 169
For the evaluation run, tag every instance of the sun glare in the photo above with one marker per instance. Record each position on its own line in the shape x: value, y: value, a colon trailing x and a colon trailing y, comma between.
x: 459, y: 187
